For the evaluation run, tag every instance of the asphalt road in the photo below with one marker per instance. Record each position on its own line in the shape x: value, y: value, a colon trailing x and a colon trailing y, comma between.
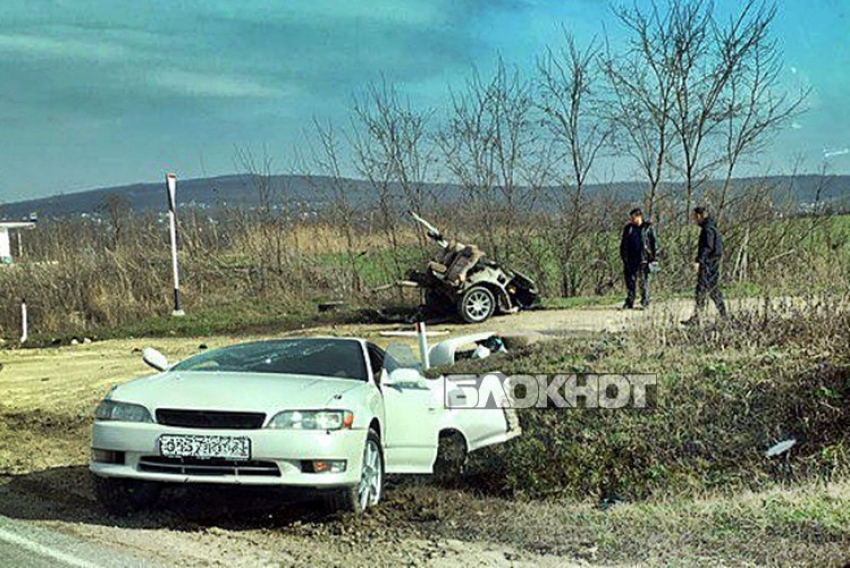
x: 26, y: 545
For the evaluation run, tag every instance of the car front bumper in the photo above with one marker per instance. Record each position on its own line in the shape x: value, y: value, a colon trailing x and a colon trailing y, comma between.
x: 280, y: 452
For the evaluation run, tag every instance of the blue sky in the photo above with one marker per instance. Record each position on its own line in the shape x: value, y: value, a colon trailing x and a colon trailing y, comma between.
x: 99, y: 93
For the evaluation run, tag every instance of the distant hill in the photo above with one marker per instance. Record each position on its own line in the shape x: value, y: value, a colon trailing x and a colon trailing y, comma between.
x: 310, y: 193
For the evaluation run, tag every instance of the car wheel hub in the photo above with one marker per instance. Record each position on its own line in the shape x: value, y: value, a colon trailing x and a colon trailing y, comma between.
x: 369, y: 489
x: 478, y: 305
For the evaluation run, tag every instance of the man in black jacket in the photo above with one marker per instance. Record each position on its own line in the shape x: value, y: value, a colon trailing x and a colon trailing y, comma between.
x: 638, y: 247
x: 707, y: 265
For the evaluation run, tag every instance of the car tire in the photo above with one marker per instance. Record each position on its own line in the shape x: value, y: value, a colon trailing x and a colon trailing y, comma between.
x: 357, y: 498
x: 126, y: 496
x: 477, y: 304
x: 450, y: 465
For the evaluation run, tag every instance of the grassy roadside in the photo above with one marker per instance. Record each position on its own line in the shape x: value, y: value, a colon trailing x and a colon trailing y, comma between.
x: 724, y: 395
x: 778, y: 526
x: 236, y: 319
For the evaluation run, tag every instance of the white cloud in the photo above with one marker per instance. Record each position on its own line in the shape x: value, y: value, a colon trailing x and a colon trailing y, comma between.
x: 192, y: 83
x: 410, y: 12
x: 47, y: 47
x: 835, y: 152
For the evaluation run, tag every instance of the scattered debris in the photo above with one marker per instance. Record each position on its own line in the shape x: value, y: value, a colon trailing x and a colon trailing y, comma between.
x: 332, y: 306
x: 519, y: 340
x: 780, y: 456
x: 607, y: 502
x: 780, y: 448
x: 447, y: 352
x: 405, y: 333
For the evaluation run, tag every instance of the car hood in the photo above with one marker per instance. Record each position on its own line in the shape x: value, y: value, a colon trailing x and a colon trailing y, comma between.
x: 249, y: 392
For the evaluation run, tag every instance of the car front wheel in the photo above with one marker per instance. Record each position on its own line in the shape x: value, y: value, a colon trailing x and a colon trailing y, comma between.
x: 125, y: 496
x: 367, y: 493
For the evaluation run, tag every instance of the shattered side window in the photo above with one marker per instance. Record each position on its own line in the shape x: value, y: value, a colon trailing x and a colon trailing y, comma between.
x: 400, y: 356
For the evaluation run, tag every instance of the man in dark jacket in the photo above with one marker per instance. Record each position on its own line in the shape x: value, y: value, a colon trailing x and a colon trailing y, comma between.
x: 707, y: 265
x: 638, y: 247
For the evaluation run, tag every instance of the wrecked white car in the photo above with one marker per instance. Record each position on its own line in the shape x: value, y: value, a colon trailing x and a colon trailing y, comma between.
x: 317, y: 413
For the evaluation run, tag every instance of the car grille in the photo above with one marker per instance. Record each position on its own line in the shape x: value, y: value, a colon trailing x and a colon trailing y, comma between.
x: 211, y: 467
x: 210, y: 419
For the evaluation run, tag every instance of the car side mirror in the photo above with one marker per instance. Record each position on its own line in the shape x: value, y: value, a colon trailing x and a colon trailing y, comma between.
x: 154, y: 358
x: 403, y: 378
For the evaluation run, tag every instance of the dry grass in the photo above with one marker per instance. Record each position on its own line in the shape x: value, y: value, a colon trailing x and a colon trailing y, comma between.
x: 83, y: 275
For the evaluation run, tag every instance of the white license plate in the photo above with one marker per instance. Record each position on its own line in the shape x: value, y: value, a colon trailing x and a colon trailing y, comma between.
x: 204, y: 447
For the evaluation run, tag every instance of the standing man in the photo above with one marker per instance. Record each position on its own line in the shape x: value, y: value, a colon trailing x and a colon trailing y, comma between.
x: 707, y: 265
x: 638, y: 248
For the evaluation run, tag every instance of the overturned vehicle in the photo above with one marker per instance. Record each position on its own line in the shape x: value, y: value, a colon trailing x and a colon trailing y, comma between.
x: 462, y: 279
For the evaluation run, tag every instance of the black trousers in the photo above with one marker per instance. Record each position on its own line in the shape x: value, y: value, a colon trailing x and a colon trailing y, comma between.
x: 708, y: 278
x: 636, y: 274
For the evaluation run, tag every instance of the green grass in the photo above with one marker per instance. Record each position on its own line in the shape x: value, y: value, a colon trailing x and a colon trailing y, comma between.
x: 724, y: 397
x: 776, y: 526
x: 240, y: 317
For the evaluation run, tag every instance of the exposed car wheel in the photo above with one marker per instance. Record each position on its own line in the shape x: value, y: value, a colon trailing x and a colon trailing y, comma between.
x: 125, y: 496
x: 477, y: 304
x: 450, y: 464
x: 367, y: 493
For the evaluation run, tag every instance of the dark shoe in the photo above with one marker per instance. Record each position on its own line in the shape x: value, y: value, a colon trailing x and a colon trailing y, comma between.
x: 627, y: 306
x: 639, y: 308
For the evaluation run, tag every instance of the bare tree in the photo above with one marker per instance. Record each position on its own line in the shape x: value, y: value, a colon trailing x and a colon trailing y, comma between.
x: 395, y: 140
x: 756, y: 108
x: 643, y: 92
x: 389, y: 142
x: 323, y: 158
x: 117, y: 211
x: 489, y: 146
x: 270, y: 220
x: 707, y: 77
x: 569, y: 79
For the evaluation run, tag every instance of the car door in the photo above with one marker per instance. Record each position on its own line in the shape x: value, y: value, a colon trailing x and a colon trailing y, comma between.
x: 411, y: 414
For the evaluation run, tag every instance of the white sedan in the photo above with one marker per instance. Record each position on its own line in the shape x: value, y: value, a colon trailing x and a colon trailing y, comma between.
x: 319, y: 413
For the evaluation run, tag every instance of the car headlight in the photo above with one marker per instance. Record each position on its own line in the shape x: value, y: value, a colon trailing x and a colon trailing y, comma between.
x: 312, y: 420
x: 122, y: 412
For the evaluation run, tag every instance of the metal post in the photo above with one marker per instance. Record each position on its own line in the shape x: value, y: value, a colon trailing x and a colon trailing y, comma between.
x: 171, y: 182
x: 24, y: 323
x: 423, y: 345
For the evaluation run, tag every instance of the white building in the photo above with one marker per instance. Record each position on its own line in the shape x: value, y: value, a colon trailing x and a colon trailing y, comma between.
x: 5, y: 242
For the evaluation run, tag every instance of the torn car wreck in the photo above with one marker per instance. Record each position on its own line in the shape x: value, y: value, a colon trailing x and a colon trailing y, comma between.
x: 461, y: 278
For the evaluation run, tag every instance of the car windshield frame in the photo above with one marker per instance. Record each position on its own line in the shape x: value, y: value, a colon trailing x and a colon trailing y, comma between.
x: 333, y: 358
